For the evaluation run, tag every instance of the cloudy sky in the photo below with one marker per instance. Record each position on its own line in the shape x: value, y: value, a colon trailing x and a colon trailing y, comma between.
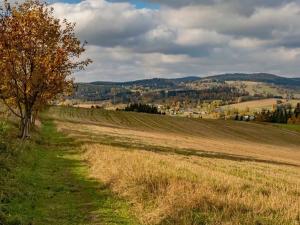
x: 173, y: 38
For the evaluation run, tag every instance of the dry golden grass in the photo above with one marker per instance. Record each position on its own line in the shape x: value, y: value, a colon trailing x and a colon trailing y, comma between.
x: 257, y: 105
x: 187, y: 172
x: 172, y: 189
x: 279, y: 152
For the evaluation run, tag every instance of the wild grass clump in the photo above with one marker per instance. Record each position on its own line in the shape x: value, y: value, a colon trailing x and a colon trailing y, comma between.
x: 170, y: 189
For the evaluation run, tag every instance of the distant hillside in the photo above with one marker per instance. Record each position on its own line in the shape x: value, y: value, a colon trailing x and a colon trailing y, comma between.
x: 258, y: 77
x: 173, y: 83
x: 297, y: 79
x: 152, y: 83
x: 192, y: 87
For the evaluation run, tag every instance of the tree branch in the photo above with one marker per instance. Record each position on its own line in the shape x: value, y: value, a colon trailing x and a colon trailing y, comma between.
x: 10, y: 108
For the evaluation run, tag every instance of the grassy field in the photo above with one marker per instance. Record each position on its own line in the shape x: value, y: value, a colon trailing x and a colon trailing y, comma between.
x: 262, y: 88
x: 188, y: 171
x: 258, y: 105
x: 45, y: 182
x: 257, y: 87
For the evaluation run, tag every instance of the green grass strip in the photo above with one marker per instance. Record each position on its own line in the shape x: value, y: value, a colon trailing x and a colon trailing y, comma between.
x: 49, y: 185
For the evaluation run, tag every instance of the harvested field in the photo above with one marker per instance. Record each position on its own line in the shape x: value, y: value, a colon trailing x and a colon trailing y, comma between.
x: 187, y: 171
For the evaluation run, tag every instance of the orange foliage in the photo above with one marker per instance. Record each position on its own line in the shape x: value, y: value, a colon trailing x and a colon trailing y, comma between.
x: 38, y: 55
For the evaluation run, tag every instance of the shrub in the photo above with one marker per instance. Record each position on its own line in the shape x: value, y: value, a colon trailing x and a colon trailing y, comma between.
x: 144, y: 108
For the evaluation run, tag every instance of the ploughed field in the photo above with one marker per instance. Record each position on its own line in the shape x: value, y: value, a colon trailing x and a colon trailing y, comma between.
x: 187, y: 171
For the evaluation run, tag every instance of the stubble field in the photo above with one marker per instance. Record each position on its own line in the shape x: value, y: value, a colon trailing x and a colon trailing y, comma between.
x: 185, y: 171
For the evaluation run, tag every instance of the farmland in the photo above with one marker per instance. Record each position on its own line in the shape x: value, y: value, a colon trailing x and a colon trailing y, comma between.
x: 258, y: 87
x: 258, y: 105
x: 188, y: 171
x: 159, y: 130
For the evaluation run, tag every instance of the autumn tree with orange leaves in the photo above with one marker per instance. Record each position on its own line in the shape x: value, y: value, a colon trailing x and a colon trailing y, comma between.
x: 38, y: 54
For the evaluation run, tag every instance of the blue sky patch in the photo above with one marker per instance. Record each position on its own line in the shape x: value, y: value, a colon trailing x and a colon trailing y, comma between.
x: 142, y: 4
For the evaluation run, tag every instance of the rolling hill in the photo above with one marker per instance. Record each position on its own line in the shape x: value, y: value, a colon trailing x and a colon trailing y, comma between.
x: 154, y: 83
x: 163, y: 83
x: 264, y: 85
x: 258, y: 77
x: 92, y: 166
x: 187, y: 171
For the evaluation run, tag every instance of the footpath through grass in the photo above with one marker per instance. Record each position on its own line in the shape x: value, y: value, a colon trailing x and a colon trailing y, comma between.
x: 46, y: 183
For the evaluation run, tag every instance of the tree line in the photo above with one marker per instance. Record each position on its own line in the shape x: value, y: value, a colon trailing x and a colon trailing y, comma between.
x: 142, y: 108
x: 282, y: 114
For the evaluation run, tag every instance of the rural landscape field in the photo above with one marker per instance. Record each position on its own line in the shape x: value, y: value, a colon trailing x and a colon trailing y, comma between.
x: 182, y: 171
x: 146, y: 112
x: 132, y: 168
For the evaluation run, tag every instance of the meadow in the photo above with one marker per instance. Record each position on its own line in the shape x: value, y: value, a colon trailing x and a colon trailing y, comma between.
x: 188, y: 171
x: 44, y: 181
x: 100, y: 162
x: 257, y: 105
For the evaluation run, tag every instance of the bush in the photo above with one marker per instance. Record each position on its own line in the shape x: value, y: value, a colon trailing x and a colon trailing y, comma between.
x: 144, y: 108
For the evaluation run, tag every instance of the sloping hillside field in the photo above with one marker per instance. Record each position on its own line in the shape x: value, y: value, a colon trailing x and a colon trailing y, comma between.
x: 258, y: 105
x: 185, y: 171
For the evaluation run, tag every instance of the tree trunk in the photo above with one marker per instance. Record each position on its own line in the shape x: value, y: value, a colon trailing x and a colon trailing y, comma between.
x: 25, y: 127
x: 32, y: 119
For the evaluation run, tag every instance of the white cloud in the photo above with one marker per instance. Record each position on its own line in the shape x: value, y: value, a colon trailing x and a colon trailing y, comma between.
x: 103, y: 23
x: 186, y: 37
x: 196, y: 37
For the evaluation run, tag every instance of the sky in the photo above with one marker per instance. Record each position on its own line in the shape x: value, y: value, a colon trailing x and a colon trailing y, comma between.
x: 129, y: 40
